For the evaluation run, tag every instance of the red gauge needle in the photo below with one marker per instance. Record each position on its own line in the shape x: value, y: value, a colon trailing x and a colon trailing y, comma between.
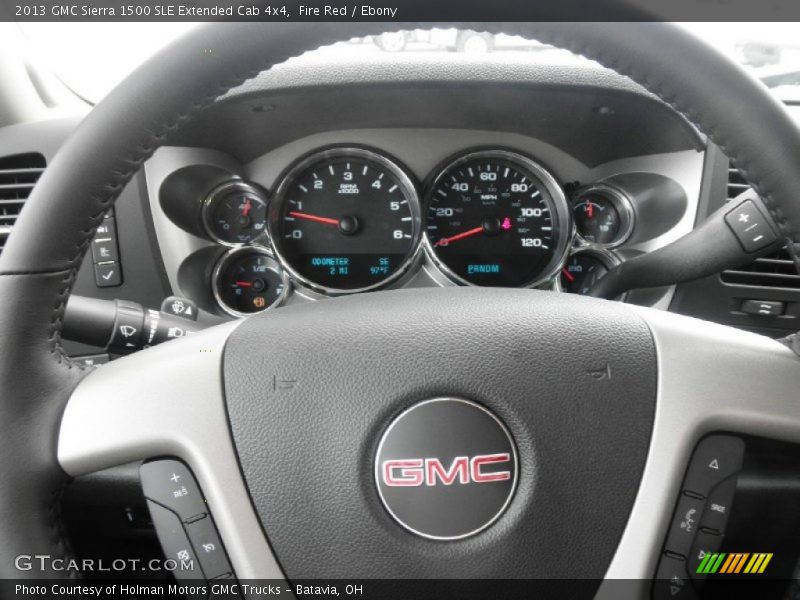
x: 308, y: 217
x: 243, y: 283
x: 568, y: 275
x: 247, y: 206
x: 458, y: 236
x: 590, y: 210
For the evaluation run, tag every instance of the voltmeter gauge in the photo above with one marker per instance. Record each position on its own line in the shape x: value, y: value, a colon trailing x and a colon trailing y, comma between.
x: 248, y: 280
x: 603, y: 215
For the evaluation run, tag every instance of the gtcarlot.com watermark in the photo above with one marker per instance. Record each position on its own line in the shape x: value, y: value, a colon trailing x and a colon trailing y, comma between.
x: 44, y: 562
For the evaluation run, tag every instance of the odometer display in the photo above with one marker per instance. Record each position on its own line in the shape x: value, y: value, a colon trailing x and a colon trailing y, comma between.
x: 345, y: 220
x: 496, y: 218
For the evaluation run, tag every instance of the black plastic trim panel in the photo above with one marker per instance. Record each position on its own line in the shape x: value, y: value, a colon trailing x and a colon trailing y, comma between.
x: 589, y: 112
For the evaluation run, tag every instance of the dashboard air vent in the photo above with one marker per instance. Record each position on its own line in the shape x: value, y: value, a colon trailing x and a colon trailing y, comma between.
x: 773, y: 271
x: 736, y: 183
x: 18, y: 175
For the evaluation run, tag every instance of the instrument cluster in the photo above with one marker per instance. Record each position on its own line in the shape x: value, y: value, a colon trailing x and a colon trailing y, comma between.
x: 351, y: 219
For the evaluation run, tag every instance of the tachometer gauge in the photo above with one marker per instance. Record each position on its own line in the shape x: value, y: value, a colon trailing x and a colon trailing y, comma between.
x: 248, y: 280
x: 603, y: 215
x: 235, y: 213
x: 496, y: 218
x: 345, y: 220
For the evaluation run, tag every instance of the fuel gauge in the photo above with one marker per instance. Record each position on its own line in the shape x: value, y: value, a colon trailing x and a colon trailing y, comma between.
x: 248, y: 280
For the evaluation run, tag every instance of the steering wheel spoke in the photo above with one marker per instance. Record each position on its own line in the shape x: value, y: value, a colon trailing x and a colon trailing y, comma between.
x: 711, y: 378
x: 169, y: 401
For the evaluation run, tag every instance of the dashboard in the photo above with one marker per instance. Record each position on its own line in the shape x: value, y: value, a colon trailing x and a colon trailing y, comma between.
x: 434, y: 171
x: 362, y: 210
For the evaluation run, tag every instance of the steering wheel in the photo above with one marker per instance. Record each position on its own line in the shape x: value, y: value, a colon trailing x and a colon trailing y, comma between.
x: 284, y: 417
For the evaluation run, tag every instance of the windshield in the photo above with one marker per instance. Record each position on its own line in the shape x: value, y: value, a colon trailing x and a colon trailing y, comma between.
x: 91, y: 58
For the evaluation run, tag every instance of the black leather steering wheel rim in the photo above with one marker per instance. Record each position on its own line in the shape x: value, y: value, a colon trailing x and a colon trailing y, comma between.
x: 40, y: 261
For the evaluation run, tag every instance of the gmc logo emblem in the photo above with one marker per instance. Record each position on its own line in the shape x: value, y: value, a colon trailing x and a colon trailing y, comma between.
x: 414, y: 472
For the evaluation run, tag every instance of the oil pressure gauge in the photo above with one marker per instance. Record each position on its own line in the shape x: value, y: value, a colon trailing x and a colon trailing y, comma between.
x: 235, y: 213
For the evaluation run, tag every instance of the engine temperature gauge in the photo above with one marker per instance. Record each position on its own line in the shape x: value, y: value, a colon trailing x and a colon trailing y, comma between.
x: 585, y: 268
x: 248, y: 280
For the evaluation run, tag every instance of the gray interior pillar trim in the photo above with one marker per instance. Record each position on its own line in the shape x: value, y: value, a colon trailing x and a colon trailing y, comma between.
x: 710, y: 378
x: 169, y: 401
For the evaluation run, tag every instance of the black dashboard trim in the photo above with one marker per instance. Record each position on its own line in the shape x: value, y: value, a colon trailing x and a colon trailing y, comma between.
x: 588, y: 112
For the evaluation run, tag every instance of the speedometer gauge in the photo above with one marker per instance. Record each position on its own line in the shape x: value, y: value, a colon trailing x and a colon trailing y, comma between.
x: 345, y: 220
x: 496, y: 218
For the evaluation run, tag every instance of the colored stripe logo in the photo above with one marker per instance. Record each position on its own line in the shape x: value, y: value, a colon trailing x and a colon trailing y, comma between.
x: 734, y: 563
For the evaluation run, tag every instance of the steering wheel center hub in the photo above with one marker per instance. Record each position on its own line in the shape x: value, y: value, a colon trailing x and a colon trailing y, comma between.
x: 463, y: 414
x: 446, y: 468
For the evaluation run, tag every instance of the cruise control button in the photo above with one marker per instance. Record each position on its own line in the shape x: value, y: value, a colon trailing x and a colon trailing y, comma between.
x: 175, y: 543
x: 718, y: 506
x: 704, y: 553
x: 685, y: 525
x: 672, y: 580
x: 205, y: 539
x: 716, y: 458
x: 170, y: 483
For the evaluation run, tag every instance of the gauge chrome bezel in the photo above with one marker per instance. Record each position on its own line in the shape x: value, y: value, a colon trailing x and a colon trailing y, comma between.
x: 607, y: 256
x: 620, y: 201
x: 217, y: 194
x: 280, y: 197
x: 227, y: 258
x: 563, y: 213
